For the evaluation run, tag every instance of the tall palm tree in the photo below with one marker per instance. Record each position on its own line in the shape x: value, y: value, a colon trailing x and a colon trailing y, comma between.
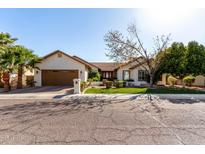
x: 25, y: 59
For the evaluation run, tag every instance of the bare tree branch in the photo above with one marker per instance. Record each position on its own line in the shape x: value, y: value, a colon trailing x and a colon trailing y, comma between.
x: 123, y: 49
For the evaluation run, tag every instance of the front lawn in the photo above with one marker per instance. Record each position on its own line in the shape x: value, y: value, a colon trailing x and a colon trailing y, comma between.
x: 161, y: 90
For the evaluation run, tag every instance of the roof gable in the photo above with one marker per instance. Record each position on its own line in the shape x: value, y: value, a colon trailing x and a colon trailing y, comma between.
x: 58, y: 51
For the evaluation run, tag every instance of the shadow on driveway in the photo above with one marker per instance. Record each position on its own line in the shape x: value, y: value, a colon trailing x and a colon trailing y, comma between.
x: 45, y: 89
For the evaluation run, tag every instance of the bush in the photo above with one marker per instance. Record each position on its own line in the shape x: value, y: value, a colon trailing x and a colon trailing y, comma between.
x: 189, y: 80
x: 89, y: 82
x: 30, y: 83
x: 171, y: 80
x: 130, y: 80
x: 104, y: 82
x: 95, y: 79
x: 83, y: 85
x: 109, y: 84
x: 119, y: 84
x: 94, y: 75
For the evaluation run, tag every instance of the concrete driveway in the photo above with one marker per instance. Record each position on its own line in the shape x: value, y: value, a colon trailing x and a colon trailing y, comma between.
x: 91, y: 119
x: 47, y: 92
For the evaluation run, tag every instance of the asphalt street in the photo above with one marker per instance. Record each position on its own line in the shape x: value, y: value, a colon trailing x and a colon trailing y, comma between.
x: 91, y: 119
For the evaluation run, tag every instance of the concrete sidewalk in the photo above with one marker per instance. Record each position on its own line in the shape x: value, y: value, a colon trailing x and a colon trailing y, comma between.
x: 143, y: 96
x: 102, y: 96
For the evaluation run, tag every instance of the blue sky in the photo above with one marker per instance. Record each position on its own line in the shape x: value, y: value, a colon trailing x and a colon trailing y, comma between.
x: 81, y: 31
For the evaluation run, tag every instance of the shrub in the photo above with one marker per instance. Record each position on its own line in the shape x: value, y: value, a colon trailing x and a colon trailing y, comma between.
x: 104, y: 82
x: 189, y: 80
x: 94, y: 75
x: 109, y: 84
x: 30, y: 83
x: 89, y: 82
x: 95, y: 79
x: 119, y: 84
x: 171, y: 80
x: 130, y: 80
x: 83, y: 85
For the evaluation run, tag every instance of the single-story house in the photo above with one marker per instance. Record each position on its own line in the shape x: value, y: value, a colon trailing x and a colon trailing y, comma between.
x: 59, y: 68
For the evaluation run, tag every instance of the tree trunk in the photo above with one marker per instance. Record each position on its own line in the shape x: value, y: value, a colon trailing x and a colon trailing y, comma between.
x: 6, y: 79
x: 151, y: 80
x: 20, y: 77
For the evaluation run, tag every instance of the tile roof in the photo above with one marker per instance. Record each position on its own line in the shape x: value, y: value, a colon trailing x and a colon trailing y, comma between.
x: 106, y: 66
x: 83, y: 61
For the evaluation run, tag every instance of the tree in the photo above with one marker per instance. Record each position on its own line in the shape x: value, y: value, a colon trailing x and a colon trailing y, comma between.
x: 94, y: 75
x: 174, y: 61
x: 195, y: 58
x: 25, y: 59
x: 181, y: 61
x: 6, y: 41
x: 8, y: 64
x: 123, y: 49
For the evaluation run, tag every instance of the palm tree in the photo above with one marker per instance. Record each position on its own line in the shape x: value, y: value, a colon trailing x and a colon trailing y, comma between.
x: 9, y: 64
x: 25, y: 59
x: 5, y: 41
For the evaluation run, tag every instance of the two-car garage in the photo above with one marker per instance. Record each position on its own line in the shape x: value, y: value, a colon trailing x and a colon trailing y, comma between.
x: 59, y: 69
x: 58, y: 77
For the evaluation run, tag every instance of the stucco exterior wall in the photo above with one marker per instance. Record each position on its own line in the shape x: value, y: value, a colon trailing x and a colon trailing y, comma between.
x: 133, y: 73
x: 199, y: 81
x: 86, y: 74
x: 59, y: 63
x: 120, y: 71
x: 26, y: 73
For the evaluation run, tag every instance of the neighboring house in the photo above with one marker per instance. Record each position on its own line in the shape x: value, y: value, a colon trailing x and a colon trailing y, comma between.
x: 27, y: 75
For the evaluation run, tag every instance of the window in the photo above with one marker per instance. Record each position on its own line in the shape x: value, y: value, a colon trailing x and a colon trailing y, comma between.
x: 107, y: 75
x: 142, y: 75
x: 126, y: 74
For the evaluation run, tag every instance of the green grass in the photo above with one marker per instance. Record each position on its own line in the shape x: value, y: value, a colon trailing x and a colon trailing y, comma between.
x: 161, y: 90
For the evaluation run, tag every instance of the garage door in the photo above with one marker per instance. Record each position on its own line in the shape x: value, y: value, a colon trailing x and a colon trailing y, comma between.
x: 58, y: 77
